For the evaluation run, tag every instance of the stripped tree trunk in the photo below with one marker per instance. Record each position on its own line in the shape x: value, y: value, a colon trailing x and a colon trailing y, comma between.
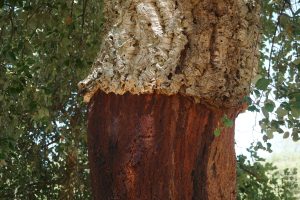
x: 158, y: 147
x: 167, y: 74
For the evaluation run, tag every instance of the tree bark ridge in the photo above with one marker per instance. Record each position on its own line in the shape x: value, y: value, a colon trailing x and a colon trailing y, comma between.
x: 159, y: 147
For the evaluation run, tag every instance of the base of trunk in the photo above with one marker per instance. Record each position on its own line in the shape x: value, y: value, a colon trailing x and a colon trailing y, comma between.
x: 159, y: 147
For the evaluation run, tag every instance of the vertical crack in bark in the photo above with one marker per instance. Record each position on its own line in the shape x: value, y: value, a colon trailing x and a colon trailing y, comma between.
x: 179, y: 67
x: 212, y: 48
x: 200, y: 175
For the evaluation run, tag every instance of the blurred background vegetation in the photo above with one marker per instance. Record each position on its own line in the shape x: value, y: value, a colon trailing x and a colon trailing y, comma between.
x: 47, y: 47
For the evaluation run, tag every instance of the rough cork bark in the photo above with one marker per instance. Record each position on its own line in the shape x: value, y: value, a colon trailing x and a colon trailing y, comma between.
x: 206, y: 49
x: 154, y: 146
x: 168, y: 70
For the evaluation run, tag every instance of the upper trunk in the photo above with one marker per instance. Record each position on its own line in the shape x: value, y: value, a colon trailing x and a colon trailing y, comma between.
x: 207, y: 49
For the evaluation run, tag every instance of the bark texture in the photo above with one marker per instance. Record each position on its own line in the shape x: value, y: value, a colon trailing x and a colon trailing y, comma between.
x: 170, y: 62
x: 159, y: 147
x: 205, y: 49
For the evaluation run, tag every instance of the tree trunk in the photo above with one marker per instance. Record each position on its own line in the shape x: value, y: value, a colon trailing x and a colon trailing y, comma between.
x: 159, y: 147
x: 167, y: 73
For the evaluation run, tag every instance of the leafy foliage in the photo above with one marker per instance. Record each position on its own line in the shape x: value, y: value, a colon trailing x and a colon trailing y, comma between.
x: 276, y: 89
x: 46, y: 47
x: 261, y: 180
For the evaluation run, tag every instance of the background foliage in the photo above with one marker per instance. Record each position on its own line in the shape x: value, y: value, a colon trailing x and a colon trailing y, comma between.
x: 46, y: 47
x: 276, y: 89
x: 261, y: 180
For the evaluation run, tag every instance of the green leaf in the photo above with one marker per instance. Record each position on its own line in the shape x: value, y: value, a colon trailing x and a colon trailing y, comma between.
x: 269, y: 133
x: 227, y: 122
x: 275, y: 124
x: 265, y: 112
x: 265, y: 138
x: 295, y: 111
x: 269, y: 105
x: 256, y: 78
x: 263, y: 125
x: 286, y: 135
x: 269, y: 145
x: 248, y: 100
x: 252, y: 108
x: 263, y: 83
x: 279, y: 130
x: 217, y: 132
x: 295, y: 136
x: 297, y: 61
x: 281, y: 112
x: 284, y: 20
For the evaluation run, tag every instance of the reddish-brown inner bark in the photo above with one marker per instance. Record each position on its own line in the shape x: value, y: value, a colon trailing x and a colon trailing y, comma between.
x: 159, y: 147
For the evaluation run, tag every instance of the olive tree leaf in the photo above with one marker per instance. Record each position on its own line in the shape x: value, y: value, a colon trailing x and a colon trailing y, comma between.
x: 228, y: 123
x: 263, y: 83
x: 286, y: 135
x: 269, y: 105
x: 281, y: 112
x: 217, y: 132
